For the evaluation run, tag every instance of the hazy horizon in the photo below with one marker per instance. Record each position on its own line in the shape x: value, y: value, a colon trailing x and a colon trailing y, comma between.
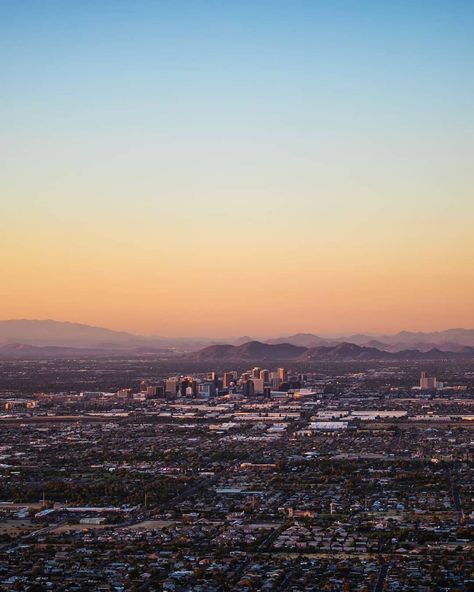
x: 253, y: 335
x: 224, y: 168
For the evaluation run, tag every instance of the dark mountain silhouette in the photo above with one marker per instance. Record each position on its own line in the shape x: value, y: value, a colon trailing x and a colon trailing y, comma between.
x: 215, y: 353
x: 351, y: 351
x: 256, y: 351
x: 253, y: 350
x: 345, y: 351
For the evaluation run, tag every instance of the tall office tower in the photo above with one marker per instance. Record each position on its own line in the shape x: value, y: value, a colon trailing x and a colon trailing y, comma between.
x: 256, y: 372
x: 186, y: 383
x: 258, y: 386
x: 229, y: 378
x: 275, y: 380
x: 427, y: 383
x: 152, y: 392
x: 265, y: 375
x: 247, y: 388
x: 143, y: 386
x: 212, y: 376
x: 423, y: 380
x: 171, y: 386
x: 282, y: 374
x: 192, y: 383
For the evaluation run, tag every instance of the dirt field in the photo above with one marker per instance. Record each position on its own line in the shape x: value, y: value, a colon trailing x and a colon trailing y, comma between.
x: 16, y: 528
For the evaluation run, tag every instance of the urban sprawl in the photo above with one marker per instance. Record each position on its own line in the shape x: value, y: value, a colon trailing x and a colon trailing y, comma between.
x: 120, y: 476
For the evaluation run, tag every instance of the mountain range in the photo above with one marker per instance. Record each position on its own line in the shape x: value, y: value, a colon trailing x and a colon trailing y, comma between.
x: 24, y: 338
x: 450, y: 340
x: 256, y: 351
x: 63, y: 334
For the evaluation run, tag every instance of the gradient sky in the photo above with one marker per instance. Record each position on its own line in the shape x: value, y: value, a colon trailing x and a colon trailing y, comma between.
x: 238, y: 167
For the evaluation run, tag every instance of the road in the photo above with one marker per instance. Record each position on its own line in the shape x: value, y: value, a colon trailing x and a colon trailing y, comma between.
x: 381, y: 576
x: 455, y: 495
x: 263, y: 547
x: 271, y: 538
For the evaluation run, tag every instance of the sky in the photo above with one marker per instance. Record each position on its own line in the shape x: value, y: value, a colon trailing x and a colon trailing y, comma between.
x: 195, y: 167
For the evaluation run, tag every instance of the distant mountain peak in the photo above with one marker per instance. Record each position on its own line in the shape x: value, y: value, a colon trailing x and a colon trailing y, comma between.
x: 301, y: 339
x: 252, y: 350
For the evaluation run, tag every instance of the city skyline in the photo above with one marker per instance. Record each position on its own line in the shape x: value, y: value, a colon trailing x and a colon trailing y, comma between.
x: 220, y: 169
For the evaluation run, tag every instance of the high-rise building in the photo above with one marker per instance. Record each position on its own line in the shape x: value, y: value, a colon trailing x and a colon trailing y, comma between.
x: 187, y: 383
x: 151, y: 392
x: 229, y: 378
x: 428, y: 383
x: 256, y: 372
x: 258, y: 386
x: 275, y: 380
x: 247, y: 388
x: 265, y: 376
x: 212, y: 376
x: 171, y: 386
x: 282, y: 374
